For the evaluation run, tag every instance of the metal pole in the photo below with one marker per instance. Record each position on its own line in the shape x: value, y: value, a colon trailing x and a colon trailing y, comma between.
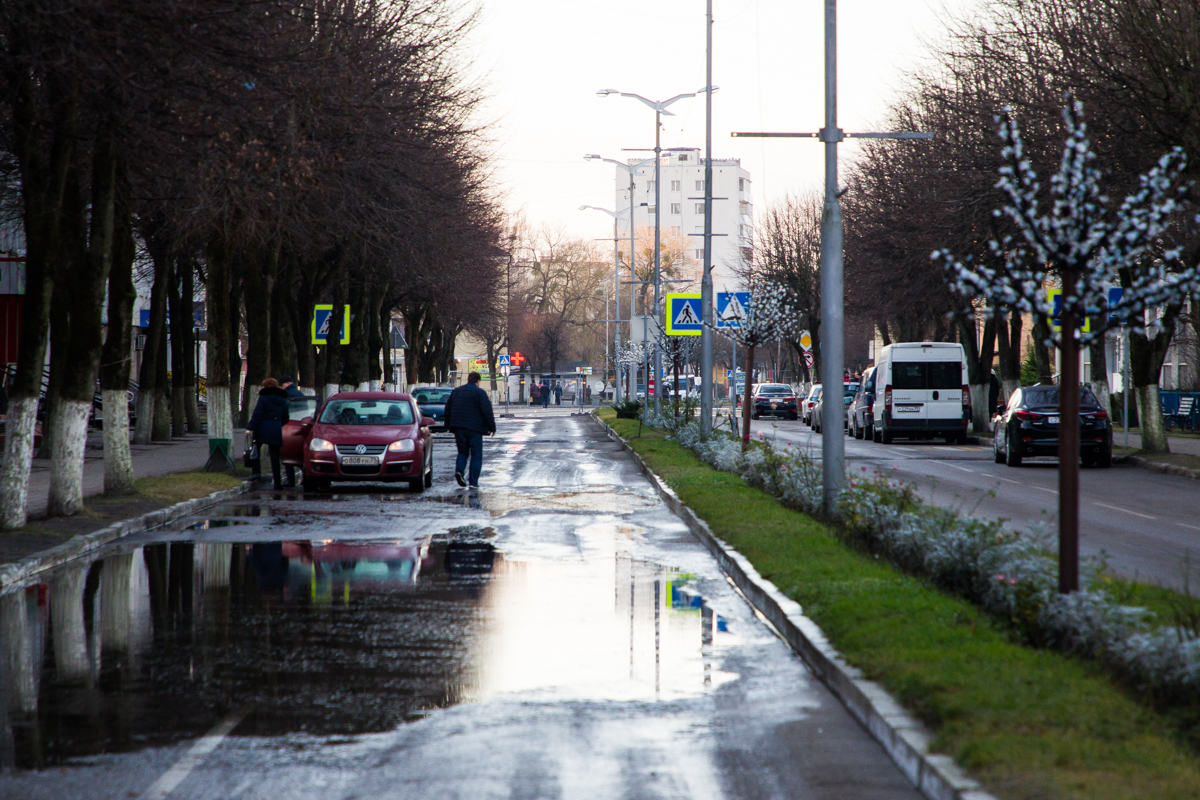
x: 658, y: 368
x: 706, y: 286
x: 633, y: 276
x: 616, y: 315
x: 833, y: 453
x: 1125, y: 386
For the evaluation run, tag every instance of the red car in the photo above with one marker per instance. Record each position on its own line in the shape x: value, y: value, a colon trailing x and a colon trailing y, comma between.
x: 362, y: 436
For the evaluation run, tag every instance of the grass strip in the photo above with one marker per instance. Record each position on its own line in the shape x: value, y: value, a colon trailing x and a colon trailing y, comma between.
x: 1027, y: 723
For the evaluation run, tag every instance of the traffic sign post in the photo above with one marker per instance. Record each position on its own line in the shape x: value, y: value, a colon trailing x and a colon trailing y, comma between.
x: 805, y: 341
x: 683, y: 316
x: 809, y: 360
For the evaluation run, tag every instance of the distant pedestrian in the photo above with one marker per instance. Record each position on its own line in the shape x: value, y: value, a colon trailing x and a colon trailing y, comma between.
x: 545, y: 394
x: 558, y: 394
x: 469, y: 417
x: 535, y: 394
x: 266, y: 423
x: 288, y: 385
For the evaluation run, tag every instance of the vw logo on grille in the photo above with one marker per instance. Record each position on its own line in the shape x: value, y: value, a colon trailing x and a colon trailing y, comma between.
x: 362, y: 448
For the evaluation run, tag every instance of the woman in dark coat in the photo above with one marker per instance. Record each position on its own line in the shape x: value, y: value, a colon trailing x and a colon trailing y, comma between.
x: 266, y: 424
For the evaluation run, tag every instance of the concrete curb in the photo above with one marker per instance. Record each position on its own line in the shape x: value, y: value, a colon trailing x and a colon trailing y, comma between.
x: 1153, y: 466
x: 905, y: 739
x: 13, y: 575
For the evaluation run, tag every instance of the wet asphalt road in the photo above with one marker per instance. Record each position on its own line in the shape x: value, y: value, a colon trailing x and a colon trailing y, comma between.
x: 561, y: 635
x: 1147, y: 523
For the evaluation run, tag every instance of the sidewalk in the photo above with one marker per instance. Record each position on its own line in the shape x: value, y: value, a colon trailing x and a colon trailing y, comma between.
x: 1178, y: 444
x: 161, y: 458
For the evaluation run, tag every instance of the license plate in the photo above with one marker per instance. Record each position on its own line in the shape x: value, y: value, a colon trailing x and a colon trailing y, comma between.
x: 907, y: 409
x: 1051, y: 420
x: 360, y: 461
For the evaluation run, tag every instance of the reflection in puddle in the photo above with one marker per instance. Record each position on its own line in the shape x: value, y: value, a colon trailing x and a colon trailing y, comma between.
x: 332, y: 638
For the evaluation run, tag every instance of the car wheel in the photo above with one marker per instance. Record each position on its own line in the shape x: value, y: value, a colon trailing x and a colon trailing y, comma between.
x: 1013, y: 459
x: 997, y: 455
x: 876, y: 435
x: 417, y: 486
x: 793, y: 417
x: 429, y: 474
x: 1104, y: 459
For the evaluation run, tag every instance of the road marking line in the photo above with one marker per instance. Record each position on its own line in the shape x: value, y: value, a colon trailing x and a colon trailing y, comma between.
x: 1126, y: 510
x: 1185, y: 525
x: 1051, y: 491
x: 1009, y: 480
x: 964, y: 469
x: 200, y: 750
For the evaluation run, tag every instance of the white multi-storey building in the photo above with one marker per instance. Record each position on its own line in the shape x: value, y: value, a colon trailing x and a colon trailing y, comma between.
x: 682, y: 212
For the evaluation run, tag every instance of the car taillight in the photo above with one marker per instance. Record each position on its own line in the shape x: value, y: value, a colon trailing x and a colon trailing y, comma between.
x: 1027, y: 415
x: 887, y: 398
x: 1101, y: 414
x: 966, y: 396
x: 789, y: 399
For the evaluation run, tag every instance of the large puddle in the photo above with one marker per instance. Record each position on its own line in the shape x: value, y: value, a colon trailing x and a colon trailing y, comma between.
x: 333, y: 638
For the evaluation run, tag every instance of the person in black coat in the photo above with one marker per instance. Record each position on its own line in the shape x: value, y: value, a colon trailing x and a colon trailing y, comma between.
x: 469, y: 417
x: 266, y: 423
x: 288, y: 385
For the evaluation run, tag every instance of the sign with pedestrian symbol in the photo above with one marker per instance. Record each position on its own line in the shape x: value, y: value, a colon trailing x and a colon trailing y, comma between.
x: 322, y: 316
x: 805, y: 341
x: 683, y: 314
x: 502, y: 361
x: 731, y: 308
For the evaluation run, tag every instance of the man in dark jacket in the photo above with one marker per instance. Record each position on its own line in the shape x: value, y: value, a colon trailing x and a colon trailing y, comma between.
x: 266, y: 423
x: 469, y: 417
x: 288, y: 385
x: 558, y: 394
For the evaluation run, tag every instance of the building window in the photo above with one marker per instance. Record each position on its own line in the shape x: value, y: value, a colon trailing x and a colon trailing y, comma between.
x: 649, y: 186
x: 683, y: 157
x: 676, y: 208
x: 741, y: 184
x: 700, y: 186
x: 700, y: 209
x: 674, y: 230
x: 675, y: 186
x: 700, y: 254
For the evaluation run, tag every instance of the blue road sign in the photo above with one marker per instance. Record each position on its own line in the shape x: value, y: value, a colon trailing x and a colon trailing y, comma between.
x: 502, y: 361
x: 1115, y: 293
x: 683, y: 314
x: 320, y: 324
x: 731, y: 308
x: 144, y: 318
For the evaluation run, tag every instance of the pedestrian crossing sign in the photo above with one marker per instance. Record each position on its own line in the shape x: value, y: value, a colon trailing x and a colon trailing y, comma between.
x: 683, y: 314
x: 322, y: 316
x: 731, y: 308
x: 503, y: 361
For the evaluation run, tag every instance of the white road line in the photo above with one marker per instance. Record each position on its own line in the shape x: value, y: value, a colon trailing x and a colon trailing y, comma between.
x: 1126, y: 510
x: 183, y: 767
x: 1051, y: 491
x: 1009, y: 480
x: 964, y: 469
x: 1185, y: 525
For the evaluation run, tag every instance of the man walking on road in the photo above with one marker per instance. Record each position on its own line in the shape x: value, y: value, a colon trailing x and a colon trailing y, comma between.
x: 558, y: 394
x: 469, y: 417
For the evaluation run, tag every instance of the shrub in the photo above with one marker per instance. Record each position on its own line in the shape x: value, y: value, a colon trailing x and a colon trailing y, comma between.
x: 628, y: 409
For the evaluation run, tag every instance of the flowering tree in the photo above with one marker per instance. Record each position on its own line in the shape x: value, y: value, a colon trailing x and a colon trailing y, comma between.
x: 630, y: 356
x: 770, y: 316
x: 1087, y: 248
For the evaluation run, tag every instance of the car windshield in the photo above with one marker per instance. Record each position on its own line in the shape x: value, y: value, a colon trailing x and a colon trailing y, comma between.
x: 1047, y: 397
x: 816, y: 393
x: 431, y: 396
x: 775, y: 388
x: 367, y: 412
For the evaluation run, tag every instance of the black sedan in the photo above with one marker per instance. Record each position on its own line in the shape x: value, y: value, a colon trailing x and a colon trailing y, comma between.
x: 1028, y: 426
x: 432, y: 402
x: 774, y: 400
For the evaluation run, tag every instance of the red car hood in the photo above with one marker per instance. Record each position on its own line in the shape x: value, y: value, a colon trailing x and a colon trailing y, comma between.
x: 364, y: 434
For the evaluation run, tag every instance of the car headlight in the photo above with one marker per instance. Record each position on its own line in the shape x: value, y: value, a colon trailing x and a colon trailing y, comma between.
x: 320, y: 445
x: 402, y: 446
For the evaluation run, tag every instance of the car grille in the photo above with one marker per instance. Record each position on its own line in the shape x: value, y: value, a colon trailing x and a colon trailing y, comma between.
x: 352, y: 450
x: 360, y: 469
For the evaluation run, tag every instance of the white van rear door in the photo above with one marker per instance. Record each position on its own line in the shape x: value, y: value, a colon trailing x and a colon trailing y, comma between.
x: 944, y: 382
x: 909, y: 396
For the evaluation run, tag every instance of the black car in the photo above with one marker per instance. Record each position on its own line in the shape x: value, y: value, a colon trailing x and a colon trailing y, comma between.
x: 432, y: 402
x: 1028, y: 426
x: 859, y: 416
x: 774, y: 400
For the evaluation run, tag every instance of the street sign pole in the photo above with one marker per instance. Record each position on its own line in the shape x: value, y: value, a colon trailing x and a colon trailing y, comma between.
x: 706, y: 286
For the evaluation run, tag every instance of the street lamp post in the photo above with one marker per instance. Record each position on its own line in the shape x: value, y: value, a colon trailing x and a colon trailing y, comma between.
x: 660, y: 109
x: 616, y: 298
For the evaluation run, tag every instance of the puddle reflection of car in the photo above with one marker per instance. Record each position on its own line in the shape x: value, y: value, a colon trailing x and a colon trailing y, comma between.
x: 432, y: 402
x: 362, y: 436
x: 361, y: 565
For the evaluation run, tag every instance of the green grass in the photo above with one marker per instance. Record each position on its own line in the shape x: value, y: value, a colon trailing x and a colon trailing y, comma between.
x: 171, y: 489
x: 1028, y: 723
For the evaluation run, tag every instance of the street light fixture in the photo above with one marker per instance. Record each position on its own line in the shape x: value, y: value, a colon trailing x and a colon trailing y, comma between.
x: 630, y: 169
x: 660, y: 109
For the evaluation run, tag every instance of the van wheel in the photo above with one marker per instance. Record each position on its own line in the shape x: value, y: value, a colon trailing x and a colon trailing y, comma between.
x: 876, y: 435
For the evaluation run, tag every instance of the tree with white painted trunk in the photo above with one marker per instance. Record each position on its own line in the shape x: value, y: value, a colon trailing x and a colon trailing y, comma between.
x: 1084, y: 247
x: 116, y: 357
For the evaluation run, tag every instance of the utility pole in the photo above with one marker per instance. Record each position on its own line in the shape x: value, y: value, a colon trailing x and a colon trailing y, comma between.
x: 833, y: 449
x: 706, y: 286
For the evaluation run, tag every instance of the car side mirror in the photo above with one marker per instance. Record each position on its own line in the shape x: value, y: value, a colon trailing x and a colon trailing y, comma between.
x: 427, y: 422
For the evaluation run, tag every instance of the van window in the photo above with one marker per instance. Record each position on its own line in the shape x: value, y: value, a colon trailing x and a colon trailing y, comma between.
x: 927, y: 375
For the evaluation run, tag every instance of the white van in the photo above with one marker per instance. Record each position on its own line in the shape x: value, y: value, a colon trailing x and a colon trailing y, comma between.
x: 921, y: 391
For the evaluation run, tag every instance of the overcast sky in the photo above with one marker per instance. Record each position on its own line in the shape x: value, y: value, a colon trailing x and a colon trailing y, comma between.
x: 544, y: 60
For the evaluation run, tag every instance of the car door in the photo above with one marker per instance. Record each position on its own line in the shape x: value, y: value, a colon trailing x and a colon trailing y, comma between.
x: 296, y: 430
x: 909, y: 394
x: 944, y: 389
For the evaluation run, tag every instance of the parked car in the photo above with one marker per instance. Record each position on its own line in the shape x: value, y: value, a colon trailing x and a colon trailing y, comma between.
x: 775, y: 400
x: 432, y: 402
x: 924, y: 392
x: 810, y: 402
x: 859, y: 413
x: 1028, y: 426
x: 818, y: 412
x: 362, y: 436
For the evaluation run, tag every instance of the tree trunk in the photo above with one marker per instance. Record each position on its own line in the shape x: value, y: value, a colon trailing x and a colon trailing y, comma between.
x: 149, y: 381
x: 746, y: 399
x: 376, y: 342
x: 1008, y: 340
x: 1068, y: 444
x: 260, y: 284
x: 162, y: 406
x: 220, y: 412
x: 86, y: 304
x: 979, y: 369
x: 1041, y: 353
x: 67, y: 625
x: 187, y: 293
x: 117, y: 357
x: 1146, y: 356
x: 1149, y: 409
x: 180, y: 357
x: 1098, y: 379
x: 234, y: 342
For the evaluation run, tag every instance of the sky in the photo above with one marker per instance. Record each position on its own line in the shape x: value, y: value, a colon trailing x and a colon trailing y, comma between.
x: 542, y: 61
